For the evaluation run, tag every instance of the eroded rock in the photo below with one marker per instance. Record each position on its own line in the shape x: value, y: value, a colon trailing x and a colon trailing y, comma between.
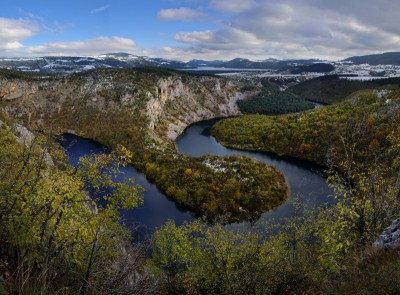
x: 390, y: 237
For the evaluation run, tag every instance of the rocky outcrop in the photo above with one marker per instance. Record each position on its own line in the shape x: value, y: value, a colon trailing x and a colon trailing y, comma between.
x: 179, y: 104
x: 390, y: 237
x: 10, y: 89
x: 170, y: 101
x: 27, y: 138
x: 179, y: 101
x: 227, y: 108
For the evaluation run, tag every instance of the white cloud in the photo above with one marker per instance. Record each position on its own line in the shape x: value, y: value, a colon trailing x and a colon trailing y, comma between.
x: 182, y: 14
x: 195, y: 37
x: 86, y: 47
x: 99, y: 9
x: 14, y: 31
x: 231, y: 5
x: 298, y: 28
x: 185, y: 53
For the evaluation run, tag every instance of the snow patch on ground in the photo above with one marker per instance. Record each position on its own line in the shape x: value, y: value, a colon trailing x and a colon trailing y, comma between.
x: 88, y: 67
x: 216, y: 165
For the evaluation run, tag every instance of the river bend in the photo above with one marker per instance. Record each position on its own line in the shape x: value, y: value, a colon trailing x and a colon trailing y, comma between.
x: 304, y: 179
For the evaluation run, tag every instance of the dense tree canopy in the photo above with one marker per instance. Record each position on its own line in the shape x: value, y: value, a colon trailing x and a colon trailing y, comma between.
x: 232, y: 188
x: 272, y: 101
x: 332, y: 88
x: 310, y: 135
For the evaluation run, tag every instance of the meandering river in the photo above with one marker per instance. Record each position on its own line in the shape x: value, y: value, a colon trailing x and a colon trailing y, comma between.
x: 305, y: 179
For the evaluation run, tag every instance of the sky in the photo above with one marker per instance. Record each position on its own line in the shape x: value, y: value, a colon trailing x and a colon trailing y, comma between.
x: 200, y: 29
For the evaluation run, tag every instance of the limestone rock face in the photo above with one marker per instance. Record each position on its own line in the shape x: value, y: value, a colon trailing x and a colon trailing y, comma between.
x: 390, y: 237
x: 13, y: 89
x: 170, y: 102
x: 178, y: 104
x: 26, y: 137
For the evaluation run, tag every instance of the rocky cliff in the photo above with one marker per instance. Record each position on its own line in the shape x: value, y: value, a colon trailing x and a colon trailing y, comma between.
x: 12, y: 89
x: 168, y: 100
x: 179, y: 104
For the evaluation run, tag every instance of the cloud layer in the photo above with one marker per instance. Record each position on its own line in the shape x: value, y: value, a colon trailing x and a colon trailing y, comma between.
x: 256, y: 29
x: 182, y: 14
x: 298, y: 28
x: 234, y: 6
x: 87, y: 47
x: 13, y: 31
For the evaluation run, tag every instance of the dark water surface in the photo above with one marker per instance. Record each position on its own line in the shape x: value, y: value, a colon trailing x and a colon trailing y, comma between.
x: 157, y: 208
x: 305, y: 180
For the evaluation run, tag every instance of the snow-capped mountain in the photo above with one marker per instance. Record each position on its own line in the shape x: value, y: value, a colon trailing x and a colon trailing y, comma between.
x: 64, y: 65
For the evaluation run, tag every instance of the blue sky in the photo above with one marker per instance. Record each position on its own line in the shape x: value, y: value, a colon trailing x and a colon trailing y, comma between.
x: 203, y: 29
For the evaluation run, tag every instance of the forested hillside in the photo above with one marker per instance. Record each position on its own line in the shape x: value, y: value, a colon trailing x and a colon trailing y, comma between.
x: 53, y: 236
x: 273, y: 102
x: 370, y: 117
x: 332, y: 89
x: 227, y: 188
x: 386, y: 58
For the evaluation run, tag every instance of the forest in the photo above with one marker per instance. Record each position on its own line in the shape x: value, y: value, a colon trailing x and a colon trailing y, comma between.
x: 226, y: 188
x: 273, y: 102
x: 333, y: 88
x: 310, y: 135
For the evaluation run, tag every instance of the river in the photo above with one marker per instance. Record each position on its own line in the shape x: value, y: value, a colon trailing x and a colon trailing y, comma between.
x: 305, y: 180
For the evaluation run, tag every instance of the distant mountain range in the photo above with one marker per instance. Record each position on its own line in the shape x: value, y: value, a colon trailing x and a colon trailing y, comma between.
x: 274, y: 64
x: 387, y: 58
x: 70, y: 64
x: 63, y: 65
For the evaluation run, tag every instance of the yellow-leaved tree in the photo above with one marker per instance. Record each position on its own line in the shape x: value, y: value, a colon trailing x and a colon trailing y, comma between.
x: 59, y: 225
